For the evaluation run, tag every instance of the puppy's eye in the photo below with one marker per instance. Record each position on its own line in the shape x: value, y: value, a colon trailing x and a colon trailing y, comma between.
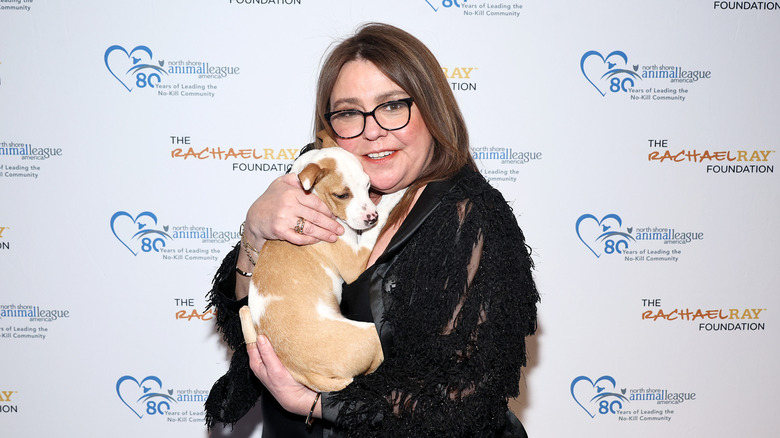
x: 341, y: 195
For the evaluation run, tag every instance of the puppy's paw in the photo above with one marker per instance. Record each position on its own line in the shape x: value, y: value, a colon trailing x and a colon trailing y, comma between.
x: 247, y: 326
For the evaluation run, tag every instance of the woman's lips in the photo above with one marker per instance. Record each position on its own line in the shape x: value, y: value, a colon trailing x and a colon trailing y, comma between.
x: 380, y: 155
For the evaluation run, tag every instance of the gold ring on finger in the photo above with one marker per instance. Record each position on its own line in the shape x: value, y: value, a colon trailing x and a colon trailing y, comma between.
x: 299, y: 226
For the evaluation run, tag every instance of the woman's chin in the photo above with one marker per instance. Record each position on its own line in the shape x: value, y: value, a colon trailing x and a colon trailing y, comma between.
x: 386, y: 186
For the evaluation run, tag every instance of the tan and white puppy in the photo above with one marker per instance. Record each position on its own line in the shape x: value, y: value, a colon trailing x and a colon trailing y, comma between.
x: 296, y: 290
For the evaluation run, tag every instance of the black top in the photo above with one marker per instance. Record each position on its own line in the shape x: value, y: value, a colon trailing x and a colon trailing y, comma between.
x: 355, y: 302
x: 425, y: 260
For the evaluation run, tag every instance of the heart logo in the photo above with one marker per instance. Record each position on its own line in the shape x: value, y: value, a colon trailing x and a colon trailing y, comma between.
x: 136, y: 233
x: 592, y: 230
x: 596, y: 68
x: 139, y: 396
x: 125, y: 66
x: 589, y: 394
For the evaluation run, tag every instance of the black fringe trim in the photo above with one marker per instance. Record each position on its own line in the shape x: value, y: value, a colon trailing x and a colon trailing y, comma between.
x: 235, y: 393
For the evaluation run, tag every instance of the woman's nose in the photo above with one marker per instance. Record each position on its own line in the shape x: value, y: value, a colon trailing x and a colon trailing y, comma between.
x: 372, y: 131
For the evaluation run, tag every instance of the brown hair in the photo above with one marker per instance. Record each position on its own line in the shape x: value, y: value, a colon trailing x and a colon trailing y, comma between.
x: 410, y: 64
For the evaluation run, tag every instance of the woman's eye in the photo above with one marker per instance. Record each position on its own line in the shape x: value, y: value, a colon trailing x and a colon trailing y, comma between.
x: 344, y: 115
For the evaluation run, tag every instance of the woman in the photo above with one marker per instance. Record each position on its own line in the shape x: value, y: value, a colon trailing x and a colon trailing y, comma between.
x: 449, y: 283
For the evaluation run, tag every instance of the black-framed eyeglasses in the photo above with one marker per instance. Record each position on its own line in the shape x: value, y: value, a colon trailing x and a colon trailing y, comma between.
x: 390, y: 116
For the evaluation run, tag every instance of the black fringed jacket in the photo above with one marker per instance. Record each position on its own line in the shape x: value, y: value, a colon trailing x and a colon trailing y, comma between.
x: 452, y: 298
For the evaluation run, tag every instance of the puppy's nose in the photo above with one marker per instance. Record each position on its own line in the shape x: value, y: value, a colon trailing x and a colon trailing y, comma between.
x: 371, y: 219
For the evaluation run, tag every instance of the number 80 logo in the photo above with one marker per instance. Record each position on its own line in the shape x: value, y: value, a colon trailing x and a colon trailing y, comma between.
x: 142, y: 80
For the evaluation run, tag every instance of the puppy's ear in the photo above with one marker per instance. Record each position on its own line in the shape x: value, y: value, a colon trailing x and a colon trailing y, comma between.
x: 310, y: 175
x: 327, y: 140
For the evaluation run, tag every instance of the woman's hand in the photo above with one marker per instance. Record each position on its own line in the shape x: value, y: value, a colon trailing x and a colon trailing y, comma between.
x: 291, y: 395
x: 274, y: 215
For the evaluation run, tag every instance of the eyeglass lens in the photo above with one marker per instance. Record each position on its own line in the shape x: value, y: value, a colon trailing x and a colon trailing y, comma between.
x: 389, y: 116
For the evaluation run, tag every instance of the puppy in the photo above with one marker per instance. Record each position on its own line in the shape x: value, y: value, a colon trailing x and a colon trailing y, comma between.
x: 296, y: 290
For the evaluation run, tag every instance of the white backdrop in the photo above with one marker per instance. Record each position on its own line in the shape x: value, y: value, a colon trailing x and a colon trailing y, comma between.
x: 636, y: 141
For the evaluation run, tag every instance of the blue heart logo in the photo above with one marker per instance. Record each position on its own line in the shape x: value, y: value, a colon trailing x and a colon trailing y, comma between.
x: 136, y: 395
x: 592, y: 230
x: 596, y: 67
x: 588, y: 393
x: 131, y: 231
x: 124, y: 65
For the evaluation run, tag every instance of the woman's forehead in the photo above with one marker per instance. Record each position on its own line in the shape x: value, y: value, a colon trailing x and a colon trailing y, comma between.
x: 360, y: 82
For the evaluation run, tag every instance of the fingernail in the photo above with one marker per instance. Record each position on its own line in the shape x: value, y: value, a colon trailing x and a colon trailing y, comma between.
x: 262, y: 340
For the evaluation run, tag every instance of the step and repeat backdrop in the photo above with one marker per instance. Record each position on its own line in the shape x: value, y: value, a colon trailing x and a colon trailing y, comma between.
x: 636, y: 142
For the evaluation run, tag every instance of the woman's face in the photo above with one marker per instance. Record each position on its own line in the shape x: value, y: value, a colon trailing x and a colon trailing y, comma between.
x: 392, y: 159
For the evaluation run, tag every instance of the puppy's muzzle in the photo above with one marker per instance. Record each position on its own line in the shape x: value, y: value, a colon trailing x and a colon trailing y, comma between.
x: 371, y: 219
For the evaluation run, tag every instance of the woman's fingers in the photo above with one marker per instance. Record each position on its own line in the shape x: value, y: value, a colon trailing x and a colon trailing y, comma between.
x: 266, y: 365
x: 277, y: 214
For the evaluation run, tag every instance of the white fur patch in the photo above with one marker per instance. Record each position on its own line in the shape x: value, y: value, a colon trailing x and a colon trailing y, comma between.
x: 327, y: 312
x: 336, y: 281
x: 258, y: 303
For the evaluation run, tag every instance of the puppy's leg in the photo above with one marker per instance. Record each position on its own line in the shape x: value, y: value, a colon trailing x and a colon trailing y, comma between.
x: 247, y: 326
x: 318, y: 382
